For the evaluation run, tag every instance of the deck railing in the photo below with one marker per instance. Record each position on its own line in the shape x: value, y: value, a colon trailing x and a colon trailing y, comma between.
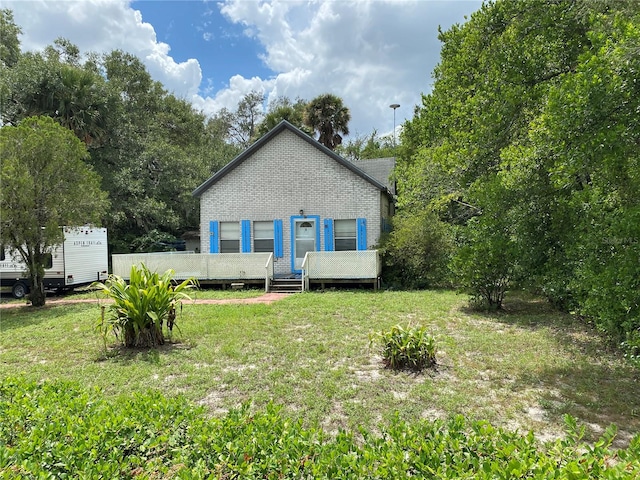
x: 347, y: 265
x: 268, y: 275
x: 363, y: 265
x: 202, y: 266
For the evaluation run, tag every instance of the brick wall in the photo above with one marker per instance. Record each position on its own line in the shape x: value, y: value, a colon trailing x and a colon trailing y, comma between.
x: 283, y: 177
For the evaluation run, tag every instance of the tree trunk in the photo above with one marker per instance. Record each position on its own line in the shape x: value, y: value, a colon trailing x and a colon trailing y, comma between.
x: 36, y: 294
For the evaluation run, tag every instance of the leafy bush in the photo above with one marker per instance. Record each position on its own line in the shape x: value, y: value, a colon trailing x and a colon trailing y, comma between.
x: 142, y: 306
x: 416, y: 253
x: 631, y: 347
x: 485, y: 265
x: 406, y: 348
x: 62, y: 430
x: 157, y: 241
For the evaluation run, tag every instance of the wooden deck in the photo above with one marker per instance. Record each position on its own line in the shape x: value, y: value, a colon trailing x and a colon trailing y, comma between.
x: 225, y: 269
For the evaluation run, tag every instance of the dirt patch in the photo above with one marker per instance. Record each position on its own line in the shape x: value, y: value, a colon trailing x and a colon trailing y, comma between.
x: 267, y: 298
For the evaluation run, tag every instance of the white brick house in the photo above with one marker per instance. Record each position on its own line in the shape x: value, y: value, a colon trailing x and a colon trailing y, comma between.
x: 289, y: 195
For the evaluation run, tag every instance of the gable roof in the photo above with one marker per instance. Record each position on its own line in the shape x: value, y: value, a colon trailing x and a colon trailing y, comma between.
x: 380, y: 169
x: 282, y: 126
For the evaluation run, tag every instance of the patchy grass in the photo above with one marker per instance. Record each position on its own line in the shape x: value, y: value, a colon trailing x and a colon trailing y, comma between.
x: 523, y: 369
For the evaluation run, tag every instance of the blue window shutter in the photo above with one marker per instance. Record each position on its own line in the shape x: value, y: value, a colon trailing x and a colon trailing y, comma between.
x: 278, y: 247
x: 245, y: 236
x: 214, y: 237
x: 328, y: 235
x: 361, y: 233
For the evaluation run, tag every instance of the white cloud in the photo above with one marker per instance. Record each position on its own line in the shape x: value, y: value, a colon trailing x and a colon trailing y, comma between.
x: 103, y: 26
x: 372, y: 53
x: 229, y: 97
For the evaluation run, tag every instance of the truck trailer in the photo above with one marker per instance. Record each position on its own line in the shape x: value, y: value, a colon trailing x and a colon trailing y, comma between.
x: 80, y: 260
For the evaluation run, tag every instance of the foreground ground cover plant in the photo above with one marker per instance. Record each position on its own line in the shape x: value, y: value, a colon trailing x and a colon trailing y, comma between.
x: 60, y: 429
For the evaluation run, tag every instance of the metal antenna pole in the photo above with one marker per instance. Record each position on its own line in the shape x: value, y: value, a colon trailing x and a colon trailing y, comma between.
x: 394, y: 106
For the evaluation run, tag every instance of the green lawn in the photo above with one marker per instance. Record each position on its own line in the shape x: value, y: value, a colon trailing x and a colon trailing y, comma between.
x: 521, y: 369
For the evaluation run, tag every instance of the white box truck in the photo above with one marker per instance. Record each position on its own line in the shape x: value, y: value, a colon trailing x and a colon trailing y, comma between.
x: 80, y: 260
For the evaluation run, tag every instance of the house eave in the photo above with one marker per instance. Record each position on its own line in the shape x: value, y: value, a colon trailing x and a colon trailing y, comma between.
x: 284, y: 125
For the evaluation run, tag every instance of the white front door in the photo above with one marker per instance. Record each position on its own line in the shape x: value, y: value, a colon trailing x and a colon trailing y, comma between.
x: 304, y: 239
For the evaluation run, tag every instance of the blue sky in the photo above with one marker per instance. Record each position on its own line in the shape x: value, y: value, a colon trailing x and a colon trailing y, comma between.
x: 372, y: 53
x: 198, y: 29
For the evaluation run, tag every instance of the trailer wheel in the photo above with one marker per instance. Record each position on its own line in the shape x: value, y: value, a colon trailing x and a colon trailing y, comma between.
x: 19, y: 290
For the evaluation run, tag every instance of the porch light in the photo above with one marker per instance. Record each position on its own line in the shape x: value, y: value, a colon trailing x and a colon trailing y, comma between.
x: 301, y: 212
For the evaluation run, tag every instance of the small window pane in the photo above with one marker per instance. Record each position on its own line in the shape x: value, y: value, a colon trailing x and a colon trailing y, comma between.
x: 229, y: 246
x: 345, y: 228
x: 229, y: 230
x: 345, y: 235
x: 263, y: 229
x: 343, y: 244
x: 265, y: 245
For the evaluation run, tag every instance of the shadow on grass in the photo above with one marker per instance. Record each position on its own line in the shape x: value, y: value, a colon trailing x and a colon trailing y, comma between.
x: 129, y: 355
x: 595, y: 394
x: 534, y: 313
x: 22, y: 316
x: 599, y: 389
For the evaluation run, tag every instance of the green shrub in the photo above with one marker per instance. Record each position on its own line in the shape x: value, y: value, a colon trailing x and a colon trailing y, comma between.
x: 485, y: 265
x: 62, y: 430
x: 142, y: 306
x: 416, y: 253
x: 631, y: 347
x: 406, y: 348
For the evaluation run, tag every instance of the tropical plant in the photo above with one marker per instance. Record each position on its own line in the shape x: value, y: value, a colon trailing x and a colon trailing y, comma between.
x: 81, y: 105
x: 143, y: 306
x: 327, y: 115
x: 406, y: 348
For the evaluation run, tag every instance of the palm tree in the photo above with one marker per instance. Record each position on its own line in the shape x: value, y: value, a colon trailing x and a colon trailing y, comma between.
x: 81, y: 106
x: 327, y: 115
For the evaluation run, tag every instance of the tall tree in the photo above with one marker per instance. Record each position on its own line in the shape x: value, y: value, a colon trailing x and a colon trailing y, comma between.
x: 9, y: 41
x: 528, y: 142
x: 327, y: 115
x: 44, y: 85
x: 284, y: 108
x: 368, y: 146
x: 244, y: 121
x: 156, y: 154
x: 150, y: 148
x: 45, y: 184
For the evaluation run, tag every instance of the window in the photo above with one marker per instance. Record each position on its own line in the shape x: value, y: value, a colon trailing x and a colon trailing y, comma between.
x: 345, y: 235
x: 263, y: 236
x: 229, y: 237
